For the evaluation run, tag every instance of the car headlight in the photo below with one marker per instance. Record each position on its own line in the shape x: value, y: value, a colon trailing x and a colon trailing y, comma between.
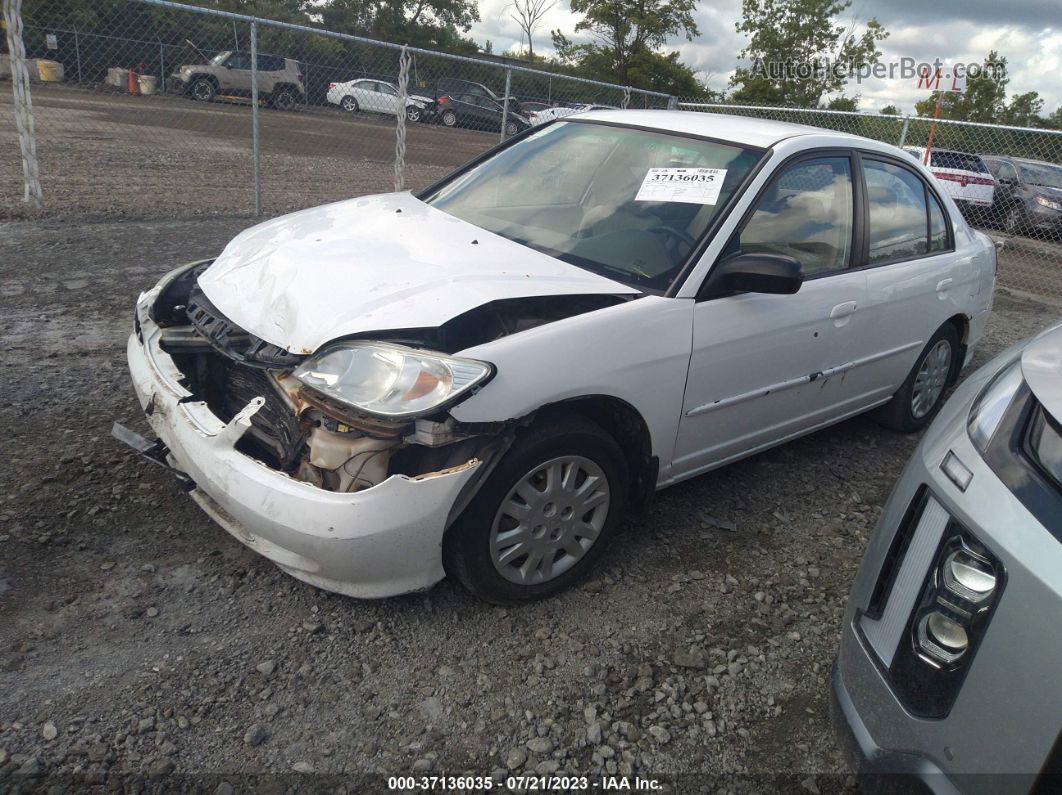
x: 391, y: 380
x: 988, y: 410
x: 1045, y: 202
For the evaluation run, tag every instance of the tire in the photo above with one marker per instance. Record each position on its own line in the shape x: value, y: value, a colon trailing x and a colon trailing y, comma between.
x: 413, y: 113
x: 349, y: 104
x: 1014, y: 221
x: 284, y: 99
x: 448, y: 118
x: 511, y: 128
x: 203, y: 89
x: 568, y: 446
x: 922, y: 394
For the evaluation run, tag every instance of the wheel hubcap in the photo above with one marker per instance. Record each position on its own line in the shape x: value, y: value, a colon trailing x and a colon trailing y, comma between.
x: 931, y: 378
x: 348, y: 104
x: 549, y: 520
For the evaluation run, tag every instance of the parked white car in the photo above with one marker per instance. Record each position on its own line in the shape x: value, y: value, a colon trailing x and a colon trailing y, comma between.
x: 482, y: 378
x: 964, y: 176
x: 374, y: 96
x: 561, y: 111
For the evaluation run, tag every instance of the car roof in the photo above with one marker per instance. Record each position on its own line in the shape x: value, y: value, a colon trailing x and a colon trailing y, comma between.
x: 1035, y: 162
x: 744, y: 130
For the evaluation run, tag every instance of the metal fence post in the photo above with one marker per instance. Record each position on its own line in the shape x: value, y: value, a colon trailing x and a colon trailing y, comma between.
x: 255, y: 135
x: 162, y: 68
x: 400, y: 126
x: 20, y: 84
x: 903, y: 132
x: 672, y: 103
x: 505, y: 106
x: 77, y: 54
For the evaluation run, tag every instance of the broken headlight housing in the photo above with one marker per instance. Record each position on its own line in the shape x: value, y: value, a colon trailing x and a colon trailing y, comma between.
x: 391, y: 381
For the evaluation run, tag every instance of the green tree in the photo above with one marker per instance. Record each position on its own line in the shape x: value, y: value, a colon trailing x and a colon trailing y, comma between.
x: 1024, y: 110
x: 798, y: 51
x: 626, y: 35
x: 984, y: 99
x: 890, y: 110
x: 843, y: 103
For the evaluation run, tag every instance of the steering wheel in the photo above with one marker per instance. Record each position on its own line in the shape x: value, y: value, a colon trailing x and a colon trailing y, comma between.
x: 676, y: 234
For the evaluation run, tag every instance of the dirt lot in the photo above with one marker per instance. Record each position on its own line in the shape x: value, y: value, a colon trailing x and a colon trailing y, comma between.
x: 110, y: 154
x: 105, y: 153
x: 139, y: 640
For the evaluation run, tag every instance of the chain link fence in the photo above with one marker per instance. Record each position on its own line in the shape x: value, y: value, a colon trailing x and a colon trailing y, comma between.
x: 150, y: 108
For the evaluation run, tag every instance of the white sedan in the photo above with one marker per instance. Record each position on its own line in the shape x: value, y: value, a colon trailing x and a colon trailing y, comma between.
x: 561, y: 111
x: 482, y: 378
x: 374, y: 96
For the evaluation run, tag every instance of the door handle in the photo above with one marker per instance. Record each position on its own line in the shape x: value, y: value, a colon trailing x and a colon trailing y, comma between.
x: 943, y: 285
x: 843, y: 310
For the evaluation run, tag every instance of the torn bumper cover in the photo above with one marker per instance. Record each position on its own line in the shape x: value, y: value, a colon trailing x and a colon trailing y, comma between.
x: 377, y: 542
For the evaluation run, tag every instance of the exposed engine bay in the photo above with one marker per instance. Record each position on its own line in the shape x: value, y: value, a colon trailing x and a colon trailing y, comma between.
x: 311, y: 436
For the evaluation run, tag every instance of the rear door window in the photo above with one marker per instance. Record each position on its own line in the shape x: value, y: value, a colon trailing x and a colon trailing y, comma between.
x: 896, y: 212
x: 938, y: 226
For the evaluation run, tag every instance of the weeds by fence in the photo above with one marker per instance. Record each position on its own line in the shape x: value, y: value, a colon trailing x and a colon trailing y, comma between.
x: 326, y: 123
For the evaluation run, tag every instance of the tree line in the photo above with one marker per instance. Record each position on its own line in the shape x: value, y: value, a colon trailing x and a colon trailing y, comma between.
x: 625, y: 42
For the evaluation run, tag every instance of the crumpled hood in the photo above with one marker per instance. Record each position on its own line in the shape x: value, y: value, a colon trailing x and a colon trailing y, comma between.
x: 375, y: 263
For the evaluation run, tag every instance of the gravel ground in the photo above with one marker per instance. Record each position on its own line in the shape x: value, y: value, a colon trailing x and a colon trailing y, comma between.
x: 108, y: 154
x: 138, y: 640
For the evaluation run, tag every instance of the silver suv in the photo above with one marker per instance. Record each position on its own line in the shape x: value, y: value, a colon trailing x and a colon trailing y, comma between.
x: 950, y: 652
x: 280, y: 80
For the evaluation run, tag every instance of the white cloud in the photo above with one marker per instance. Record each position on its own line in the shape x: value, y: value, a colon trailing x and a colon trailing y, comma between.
x: 1019, y: 29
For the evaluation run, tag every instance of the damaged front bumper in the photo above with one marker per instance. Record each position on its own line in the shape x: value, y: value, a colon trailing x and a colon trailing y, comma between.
x: 380, y: 541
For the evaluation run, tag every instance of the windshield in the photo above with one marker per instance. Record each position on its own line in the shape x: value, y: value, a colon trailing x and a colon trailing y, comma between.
x: 219, y: 59
x: 628, y: 204
x: 1041, y: 174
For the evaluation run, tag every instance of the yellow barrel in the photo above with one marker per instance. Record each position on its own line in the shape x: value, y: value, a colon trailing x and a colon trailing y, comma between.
x: 49, y: 71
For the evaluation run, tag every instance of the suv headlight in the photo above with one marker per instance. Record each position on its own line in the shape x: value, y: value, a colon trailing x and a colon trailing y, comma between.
x: 1043, y: 201
x: 391, y: 381
x: 988, y: 410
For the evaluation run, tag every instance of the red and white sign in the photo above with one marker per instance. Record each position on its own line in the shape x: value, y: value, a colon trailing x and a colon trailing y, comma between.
x: 942, y: 80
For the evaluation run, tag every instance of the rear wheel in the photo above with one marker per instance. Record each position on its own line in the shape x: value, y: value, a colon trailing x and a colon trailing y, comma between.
x: 449, y: 118
x: 284, y: 99
x: 349, y: 104
x: 511, y: 128
x: 544, y: 516
x: 922, y: 393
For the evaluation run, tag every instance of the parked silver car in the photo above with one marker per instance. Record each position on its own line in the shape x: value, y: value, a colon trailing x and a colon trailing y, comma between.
x: 950, y: 650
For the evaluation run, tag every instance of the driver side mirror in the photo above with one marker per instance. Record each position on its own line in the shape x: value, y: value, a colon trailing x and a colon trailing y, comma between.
x: 775, y: 274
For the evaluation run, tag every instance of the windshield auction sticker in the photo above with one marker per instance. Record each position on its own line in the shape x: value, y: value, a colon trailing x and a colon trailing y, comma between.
x: 690, y: 185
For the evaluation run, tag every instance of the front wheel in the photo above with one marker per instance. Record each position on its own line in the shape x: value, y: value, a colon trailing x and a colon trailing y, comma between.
x: 1014, y: 222
x: 511, y: 128
x: 922, y: 393
x: 544, y: 516
x: 413, y: 113
x: 203, y: 90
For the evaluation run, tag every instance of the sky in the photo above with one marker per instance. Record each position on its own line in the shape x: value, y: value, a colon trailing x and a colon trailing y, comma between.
x: 1027, y: 32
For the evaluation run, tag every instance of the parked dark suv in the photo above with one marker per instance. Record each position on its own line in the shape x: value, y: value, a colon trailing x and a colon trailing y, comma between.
x: 1028, y: 198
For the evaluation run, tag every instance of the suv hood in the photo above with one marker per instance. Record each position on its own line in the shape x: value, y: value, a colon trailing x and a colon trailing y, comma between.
x: 373, y: 264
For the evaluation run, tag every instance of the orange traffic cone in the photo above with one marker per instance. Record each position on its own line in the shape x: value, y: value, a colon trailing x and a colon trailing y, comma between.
x: 134, y: 83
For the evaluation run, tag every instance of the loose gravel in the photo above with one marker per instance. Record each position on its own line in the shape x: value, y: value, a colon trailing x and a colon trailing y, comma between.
x: 141, y: 646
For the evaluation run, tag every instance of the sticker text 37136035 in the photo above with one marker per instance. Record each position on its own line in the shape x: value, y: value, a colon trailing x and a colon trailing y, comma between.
x: 690, y: 185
